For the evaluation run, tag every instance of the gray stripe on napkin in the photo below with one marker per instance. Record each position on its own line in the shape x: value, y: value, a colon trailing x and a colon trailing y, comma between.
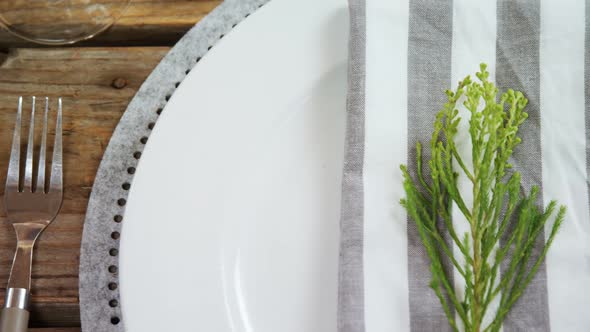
x: 587, y: 93
x: 351, y: 303
x: 429, y: 73
x: 517, y: 67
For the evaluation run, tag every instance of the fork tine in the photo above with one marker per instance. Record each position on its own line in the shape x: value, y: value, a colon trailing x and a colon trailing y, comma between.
x: 12, y: 180
x: 43, y: 152
x: 28, y: 185
x: 56, y: 183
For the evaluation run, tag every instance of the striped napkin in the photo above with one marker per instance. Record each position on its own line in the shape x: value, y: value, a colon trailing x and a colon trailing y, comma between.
x: 403, y: 55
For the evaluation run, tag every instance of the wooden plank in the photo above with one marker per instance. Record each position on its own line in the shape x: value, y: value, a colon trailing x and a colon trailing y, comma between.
x: 145, y: 23
x: 56, y: 329
x: 92, y: 108
x: 57, y: 313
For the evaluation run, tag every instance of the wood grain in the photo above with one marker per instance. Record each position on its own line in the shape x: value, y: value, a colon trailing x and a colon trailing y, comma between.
x: 145, y: 23
x: 92, y: 107
x: 56, y: 329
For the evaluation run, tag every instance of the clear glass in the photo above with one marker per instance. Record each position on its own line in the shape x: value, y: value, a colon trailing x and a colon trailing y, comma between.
x: 58, y: 22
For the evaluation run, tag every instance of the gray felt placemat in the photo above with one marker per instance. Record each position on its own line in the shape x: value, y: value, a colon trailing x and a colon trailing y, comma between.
x: 99, y: 294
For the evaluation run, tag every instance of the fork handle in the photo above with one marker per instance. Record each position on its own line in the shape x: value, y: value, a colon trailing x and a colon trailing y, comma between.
x: 14, y: 320
x: 15, y: 316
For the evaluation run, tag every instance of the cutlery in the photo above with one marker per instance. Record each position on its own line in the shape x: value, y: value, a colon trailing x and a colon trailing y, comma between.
x: 31, y: 205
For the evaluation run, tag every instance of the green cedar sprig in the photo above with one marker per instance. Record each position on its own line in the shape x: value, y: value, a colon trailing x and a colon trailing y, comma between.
x: 500, y: 209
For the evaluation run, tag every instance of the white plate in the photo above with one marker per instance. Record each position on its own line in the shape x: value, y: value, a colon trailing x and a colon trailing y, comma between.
x: 232, y: 220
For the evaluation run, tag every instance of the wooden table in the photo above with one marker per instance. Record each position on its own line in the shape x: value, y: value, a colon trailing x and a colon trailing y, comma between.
x: 97, y: 79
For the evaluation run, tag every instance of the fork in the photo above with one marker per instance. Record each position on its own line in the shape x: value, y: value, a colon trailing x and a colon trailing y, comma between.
x: 30, y: 206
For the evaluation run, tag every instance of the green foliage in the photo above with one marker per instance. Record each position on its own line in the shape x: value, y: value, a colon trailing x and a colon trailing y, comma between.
x: 500, y: 210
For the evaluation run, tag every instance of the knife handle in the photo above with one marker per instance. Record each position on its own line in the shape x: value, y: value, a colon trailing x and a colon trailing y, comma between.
x: 15, y: 316
x: 14, y: 320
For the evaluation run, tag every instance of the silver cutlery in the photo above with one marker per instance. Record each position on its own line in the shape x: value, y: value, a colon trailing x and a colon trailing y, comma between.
x: 31, y: 205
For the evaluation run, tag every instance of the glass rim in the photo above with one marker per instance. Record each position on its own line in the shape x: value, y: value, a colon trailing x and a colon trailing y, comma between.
x: 56, y: 42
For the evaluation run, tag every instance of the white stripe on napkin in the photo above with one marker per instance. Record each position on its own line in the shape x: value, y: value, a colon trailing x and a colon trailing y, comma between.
x: 385, y: 149
x: 563, y: 141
